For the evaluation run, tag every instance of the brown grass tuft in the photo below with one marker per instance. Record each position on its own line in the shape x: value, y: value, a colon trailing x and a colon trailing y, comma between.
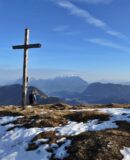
x: 123, y: 126
x: 87, y: 115
x: 104, y: 145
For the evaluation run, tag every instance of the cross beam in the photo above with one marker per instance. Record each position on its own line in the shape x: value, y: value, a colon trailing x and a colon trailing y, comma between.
x: 26, y: 46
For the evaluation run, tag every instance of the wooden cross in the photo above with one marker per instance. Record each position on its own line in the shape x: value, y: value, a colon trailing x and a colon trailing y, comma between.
x: 26, y: 46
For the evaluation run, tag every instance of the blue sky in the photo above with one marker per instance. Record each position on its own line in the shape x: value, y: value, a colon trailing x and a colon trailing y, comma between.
x: 90, y: 38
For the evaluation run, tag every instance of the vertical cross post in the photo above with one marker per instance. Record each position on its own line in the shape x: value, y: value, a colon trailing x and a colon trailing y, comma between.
x: 25, y: 69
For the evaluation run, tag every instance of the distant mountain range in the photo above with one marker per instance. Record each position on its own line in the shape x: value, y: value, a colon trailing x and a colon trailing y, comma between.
x: 11, y: 95
x: 59, y: 84
x: 98, y: 93
x: 72, y: 90
x: 106, y: 93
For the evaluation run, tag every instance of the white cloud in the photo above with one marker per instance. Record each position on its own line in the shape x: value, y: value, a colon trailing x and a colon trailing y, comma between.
x: 66, y: 30
x: 72, y: 33
x: 113, y: 33
x: 106, y: 43
x: 61, y: 28
x: 94, y: 1
x: 89, y: 18
x: 74, y: 10
x: 118, y: 35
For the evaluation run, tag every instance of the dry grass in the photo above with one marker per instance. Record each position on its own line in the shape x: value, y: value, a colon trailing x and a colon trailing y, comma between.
x: 112, y: 105
x: 10, y: 111
x: 45, y: 117
x: 51, y: 136
x: 39, y: 121
x: 103, y: 145
x: 124, y: 126
x: 59, y: 106
x: 85, y: 116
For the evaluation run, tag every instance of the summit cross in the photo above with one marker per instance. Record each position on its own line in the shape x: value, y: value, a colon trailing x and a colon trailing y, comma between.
x: 26, y: 46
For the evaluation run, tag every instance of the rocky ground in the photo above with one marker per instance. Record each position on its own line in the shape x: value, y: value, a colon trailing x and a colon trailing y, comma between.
x: 60, y: 131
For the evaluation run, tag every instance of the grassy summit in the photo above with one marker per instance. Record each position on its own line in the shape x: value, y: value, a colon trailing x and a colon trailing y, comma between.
x: 65, y: 132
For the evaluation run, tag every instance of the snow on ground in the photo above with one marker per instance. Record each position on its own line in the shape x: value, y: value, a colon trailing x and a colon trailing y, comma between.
x: 115, y: 111
x: 117, y: 114
x: 7, y: 119
x: 74, y: 128
x: 61, y: 152
x: 126, y: 153
x: 13, y: 144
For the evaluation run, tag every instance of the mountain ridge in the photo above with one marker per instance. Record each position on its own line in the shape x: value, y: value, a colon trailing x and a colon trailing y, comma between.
x: 70, y: 84
x: 11, y: 95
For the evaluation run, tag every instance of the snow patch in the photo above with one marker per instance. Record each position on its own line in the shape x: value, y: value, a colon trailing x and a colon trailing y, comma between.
x: 126, y: 153
x: 7, y: 119
x: 75, y: 128
x: 14, y: 143
x: 61, y: 152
